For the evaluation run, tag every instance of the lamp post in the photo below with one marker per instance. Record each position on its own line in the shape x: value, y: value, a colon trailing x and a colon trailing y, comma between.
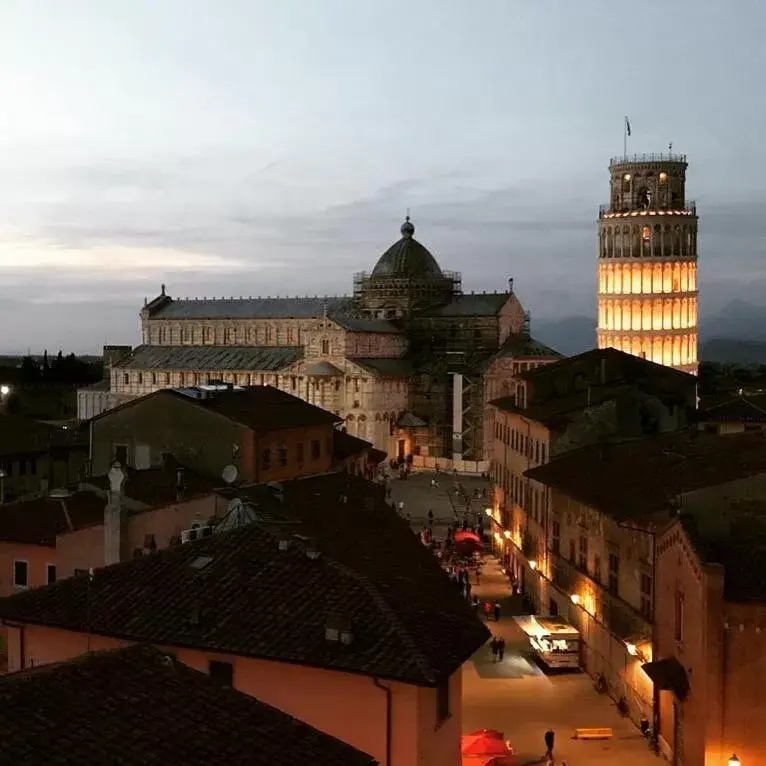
x: 734, y: 761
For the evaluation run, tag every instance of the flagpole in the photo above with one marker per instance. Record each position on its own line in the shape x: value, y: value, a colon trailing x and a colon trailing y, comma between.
x: 625, y: 137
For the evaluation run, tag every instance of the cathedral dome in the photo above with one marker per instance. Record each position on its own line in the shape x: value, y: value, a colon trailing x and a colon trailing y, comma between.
x: 407, y: 259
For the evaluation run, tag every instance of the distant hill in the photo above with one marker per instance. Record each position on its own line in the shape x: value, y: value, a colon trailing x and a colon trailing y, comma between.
x: 731, y: 350
x: 569, y: 336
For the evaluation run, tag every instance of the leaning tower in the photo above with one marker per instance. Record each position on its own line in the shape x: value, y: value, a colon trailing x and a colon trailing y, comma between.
x: 647, y: 262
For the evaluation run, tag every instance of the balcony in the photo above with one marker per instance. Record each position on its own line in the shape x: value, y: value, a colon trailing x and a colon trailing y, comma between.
x: 606, y: 211
x: 627, y: 159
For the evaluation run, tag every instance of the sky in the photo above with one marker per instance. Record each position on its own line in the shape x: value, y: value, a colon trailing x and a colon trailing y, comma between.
x: 273, y: 147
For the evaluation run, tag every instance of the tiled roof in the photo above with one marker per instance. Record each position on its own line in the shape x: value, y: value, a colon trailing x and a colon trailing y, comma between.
x: 258, y: 407
x: 263, y: 408
x: 136, y: 706
x: 324, y: 368
x: 472, y: 304
x: 524, y: 347
x: 345, y: 445
x: 408, y: 621
x: 385, y: 367
x: 211, y: 358
x: 38, y: 521
x: 356, y: 324
x: 158, y: 486
x: 253, y: 308
x: 558, y: 411
x: 632, y: 366
x: 735, y: 409
x: 732, y: 534
x: 634, y: 478
x: 22, y: 436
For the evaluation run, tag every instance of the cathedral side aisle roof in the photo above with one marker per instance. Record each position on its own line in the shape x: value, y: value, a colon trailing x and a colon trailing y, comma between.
x: 254, y: 308
x: 260, y: 358
x: 385, y: 367
x: 472, y: 304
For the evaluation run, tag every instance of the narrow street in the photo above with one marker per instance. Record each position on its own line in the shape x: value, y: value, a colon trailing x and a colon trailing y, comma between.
x: 515, y: 696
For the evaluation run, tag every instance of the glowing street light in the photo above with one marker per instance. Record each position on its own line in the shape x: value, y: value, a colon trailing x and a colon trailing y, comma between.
x: 507, y: 534
x: 575, y: 599
x: 5, y: 390
x: 533, y: 565
x: 734, y: 761
x: 488, y: 511
x: 632, y: 649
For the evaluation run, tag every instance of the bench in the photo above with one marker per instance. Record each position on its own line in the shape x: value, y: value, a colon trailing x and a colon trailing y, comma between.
x: 593, y: 734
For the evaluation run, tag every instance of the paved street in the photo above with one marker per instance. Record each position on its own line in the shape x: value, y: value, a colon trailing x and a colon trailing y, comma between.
x: 516, y: 698
x: 447, y: 505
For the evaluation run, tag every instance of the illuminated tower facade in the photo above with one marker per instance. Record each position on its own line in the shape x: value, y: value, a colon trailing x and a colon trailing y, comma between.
x: 647, y: 262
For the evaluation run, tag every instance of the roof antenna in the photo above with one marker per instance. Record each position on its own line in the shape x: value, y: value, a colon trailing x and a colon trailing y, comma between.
x: 407, y: 217
x: 163, y: 290
x: 670, y: 148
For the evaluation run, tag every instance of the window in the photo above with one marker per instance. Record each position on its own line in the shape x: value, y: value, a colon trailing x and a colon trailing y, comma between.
x: 121, y: 453
x: 614, y: 574
x: 597, y: 568
x: 442, y: 702
x: 140, y: 378
x: 126, y: 378
x: 679, y: 616
x: 282, y: 455
x: 221, y: 672
x: 300, y: 452
x: 572, y: 551
x: 583, y: 562
x: 646, y: 596
x: 316, y: 449
x: 51, y: 572
x: 266, y: 458
x: 556, y: 537
x: 20, y: 574
x: 325, y: 346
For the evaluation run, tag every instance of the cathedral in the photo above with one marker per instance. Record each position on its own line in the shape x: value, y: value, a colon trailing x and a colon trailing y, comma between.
x: 408, y: 361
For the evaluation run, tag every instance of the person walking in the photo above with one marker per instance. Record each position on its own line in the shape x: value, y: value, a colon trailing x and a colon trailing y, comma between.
x: 500, y: 648
x: 496, y: 610
x: 430, y: 518
x: 550, y: 738
x: 487, y: 609
x: 494, y: 645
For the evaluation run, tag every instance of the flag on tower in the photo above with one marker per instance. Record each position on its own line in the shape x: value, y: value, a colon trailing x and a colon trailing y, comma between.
x: 627, y: 125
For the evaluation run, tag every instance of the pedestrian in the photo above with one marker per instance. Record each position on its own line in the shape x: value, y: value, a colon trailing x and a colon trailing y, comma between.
x: 501, y: 648
x: 476, y: 604
x: 487, y: 609
x: 433, y: 483
x: 496, y: 610
x: 430, y: 517
x: 478, y: 575
x: 495, y: 647
x: 400, y: 505
x: 549, y: 742
x: 468, y: 588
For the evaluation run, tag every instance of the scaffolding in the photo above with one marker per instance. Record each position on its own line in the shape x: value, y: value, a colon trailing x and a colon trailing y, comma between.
x: 395, y: 296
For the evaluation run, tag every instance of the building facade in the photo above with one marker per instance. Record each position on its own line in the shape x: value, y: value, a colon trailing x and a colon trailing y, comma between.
x: 647, y: 262
x: 401, y: 361
x: 711, y: 634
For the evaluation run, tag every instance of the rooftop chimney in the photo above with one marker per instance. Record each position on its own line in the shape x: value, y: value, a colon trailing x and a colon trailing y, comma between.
x: 115, y: 532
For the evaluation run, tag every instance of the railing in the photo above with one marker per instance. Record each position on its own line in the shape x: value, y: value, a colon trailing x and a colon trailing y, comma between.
x: 689, y: 208
x: 629, y: 158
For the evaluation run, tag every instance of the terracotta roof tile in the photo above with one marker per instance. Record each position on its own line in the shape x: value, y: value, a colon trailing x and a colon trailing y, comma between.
x: 408, y: 621
x: 136, y: 706
x: 739, y: 408
x: 643, y: 476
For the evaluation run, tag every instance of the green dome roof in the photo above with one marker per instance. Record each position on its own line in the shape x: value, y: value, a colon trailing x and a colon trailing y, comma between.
x: 407, y: 259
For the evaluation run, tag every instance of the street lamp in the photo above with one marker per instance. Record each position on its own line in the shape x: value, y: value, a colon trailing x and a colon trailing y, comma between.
x: 488, y: 511
x: 5, y: 390
x: 632, y: 649
x: 533, y: 565
x: 734, y: 761
x: 507, y: 534
x: 575, y: 599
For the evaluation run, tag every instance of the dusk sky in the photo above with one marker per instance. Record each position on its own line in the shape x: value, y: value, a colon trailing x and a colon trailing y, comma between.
x: 264, y: 147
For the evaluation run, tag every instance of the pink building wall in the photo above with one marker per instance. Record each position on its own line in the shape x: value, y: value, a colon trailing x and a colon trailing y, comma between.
x: 38, y: 557
x: 84, y: 548
x: 347, y: 706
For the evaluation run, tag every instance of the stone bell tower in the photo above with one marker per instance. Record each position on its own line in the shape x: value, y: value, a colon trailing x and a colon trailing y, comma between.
x: 647, y: 262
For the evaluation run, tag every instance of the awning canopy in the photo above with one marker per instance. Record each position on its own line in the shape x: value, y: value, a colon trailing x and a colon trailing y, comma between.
x: 668, y: 675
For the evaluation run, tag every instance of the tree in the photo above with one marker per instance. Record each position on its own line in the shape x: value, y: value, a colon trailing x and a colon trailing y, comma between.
x: 29, y: 370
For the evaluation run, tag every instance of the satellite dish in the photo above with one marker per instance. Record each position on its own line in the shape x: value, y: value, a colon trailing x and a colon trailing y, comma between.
x: 229, y: 474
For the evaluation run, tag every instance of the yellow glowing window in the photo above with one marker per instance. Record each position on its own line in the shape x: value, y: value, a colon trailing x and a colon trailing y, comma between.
x: 663, y: 178
x: 646, y: 233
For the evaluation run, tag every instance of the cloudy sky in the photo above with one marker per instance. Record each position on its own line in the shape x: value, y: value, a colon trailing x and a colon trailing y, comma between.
x: 264, y: 147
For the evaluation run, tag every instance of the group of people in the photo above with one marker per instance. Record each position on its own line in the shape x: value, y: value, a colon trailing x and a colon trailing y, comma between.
x: 497, y: 645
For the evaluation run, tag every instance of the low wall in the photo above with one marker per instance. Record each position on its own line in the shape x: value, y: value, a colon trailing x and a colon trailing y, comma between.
x: 477, y: 467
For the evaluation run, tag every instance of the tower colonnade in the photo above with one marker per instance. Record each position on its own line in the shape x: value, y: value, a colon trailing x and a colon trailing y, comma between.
x: 647, y: 267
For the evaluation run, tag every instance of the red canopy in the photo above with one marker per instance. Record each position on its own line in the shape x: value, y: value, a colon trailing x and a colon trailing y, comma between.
x: 485, y: 742
x: 463, y: 535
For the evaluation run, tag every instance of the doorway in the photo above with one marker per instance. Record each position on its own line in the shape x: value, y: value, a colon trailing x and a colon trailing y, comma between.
x: 402, y: 445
